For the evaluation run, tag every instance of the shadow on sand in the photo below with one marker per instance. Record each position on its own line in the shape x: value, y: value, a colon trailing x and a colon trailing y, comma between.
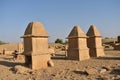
x: 81, y: 72
x: 64, y: 57
x: 115, y: 71
x: 10, y: 64
x: 108, y: 58
x: 58, y: 58
x: 8, y: 58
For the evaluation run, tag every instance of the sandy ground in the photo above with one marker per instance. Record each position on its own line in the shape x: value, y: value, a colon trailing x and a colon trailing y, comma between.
x: 64, y: 69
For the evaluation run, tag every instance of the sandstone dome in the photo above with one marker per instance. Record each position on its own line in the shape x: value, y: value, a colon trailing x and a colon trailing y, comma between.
x: 35, y: 29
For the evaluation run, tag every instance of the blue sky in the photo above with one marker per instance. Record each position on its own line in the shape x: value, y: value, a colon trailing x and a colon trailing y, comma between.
x: 58, y: 17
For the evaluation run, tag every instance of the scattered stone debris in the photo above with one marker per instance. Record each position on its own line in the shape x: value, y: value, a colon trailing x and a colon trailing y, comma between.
x: 106, y: 67
x: 20, y: 58
x: 91, y: 71
x: 50, y: 63
x: 102, y: 71
x: 18, y: 69
x: 78, y: 71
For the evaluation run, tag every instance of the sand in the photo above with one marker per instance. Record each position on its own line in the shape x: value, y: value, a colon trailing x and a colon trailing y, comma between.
x: 64, y: 69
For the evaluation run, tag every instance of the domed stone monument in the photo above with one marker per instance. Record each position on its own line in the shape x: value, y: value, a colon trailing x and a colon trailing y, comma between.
x: 36, y: 46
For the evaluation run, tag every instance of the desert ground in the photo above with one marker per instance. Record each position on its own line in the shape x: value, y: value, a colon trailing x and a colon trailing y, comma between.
x: 101, y: 68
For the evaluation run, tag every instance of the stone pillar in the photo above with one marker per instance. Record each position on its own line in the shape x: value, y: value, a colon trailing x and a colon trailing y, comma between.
x: 118, y: 39
x: 36, y: 46
x: 77, y: 46
x: 20, y: 47
x: 94, y: 42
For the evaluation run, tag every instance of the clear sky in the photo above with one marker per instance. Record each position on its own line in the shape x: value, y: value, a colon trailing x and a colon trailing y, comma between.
x: 58, y: 17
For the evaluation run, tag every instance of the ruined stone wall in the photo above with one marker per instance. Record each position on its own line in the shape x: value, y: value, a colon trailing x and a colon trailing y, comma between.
x: 10, y: 48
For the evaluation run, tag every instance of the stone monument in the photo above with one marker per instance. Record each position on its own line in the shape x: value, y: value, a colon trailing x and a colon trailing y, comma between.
x: 36, y: 46
x: 94, y: 42
x: 77, y: 46
x: 118, y: 39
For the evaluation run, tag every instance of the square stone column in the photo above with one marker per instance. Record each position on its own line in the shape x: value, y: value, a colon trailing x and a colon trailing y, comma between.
x: 94, y: 42
x: 118, y: 39
x: 36, y: 46
x: 77, y: 46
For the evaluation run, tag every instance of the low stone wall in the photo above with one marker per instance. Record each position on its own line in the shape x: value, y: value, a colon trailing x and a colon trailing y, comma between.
x: 10, y: 48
